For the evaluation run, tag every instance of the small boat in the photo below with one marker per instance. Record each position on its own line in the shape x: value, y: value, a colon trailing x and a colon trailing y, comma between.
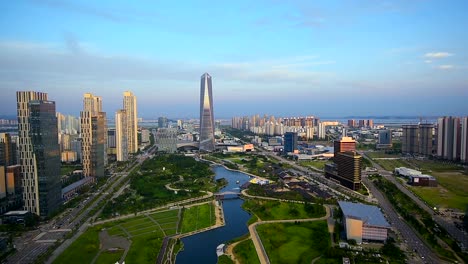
x: 237, y: 182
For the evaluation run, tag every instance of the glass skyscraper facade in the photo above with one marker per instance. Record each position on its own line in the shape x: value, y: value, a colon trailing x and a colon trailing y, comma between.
x: 207, y: 142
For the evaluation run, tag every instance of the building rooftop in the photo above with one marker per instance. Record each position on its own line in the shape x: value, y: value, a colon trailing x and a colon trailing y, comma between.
x: 369, y: 214
x: 16, y: 213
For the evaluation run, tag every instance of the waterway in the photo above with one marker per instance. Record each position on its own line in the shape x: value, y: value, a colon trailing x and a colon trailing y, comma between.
x: 201, y: 248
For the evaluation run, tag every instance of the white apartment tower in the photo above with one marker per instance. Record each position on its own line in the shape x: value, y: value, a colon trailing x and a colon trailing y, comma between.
x: 130, y: 107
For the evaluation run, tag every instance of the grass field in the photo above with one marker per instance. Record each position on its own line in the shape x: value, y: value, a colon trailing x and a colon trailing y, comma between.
x: 245, y: 252
x: 294, y: 243
x: 381, y: 154
x: 109, y: 257
x: 319, y: 164
x: 83, y: 249
x: 198, y: 217
x: 390, y: 165
x: 146, y: 233
x: 275, y: 210
x: 451, y: 192
x: 434, y: 166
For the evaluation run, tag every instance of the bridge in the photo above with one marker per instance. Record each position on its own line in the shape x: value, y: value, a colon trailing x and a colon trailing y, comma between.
x: 227, y: 195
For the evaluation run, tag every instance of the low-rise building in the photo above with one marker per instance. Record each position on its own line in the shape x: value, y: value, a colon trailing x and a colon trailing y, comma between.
x: 364, y: 222
x: 416, y: 178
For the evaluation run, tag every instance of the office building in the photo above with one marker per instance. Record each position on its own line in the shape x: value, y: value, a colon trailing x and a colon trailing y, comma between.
x: 13, y: 180
x: 94, y: 136
x: 121, y: 135
x: 166, y: 140
x: 344, y: 144
x: 290, y: 142
x: 448, y: 138
x: 39, y: 153
x: 364, y: 222
x: 163, y: 122
x: 425, y: 143
x: 130, y: 107
x: 464, y: 140
x: 409, y: 140
x: 346, y: 169
x: 207, y: 140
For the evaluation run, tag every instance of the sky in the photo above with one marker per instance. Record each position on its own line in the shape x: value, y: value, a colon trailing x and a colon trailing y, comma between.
x: 285, y: 58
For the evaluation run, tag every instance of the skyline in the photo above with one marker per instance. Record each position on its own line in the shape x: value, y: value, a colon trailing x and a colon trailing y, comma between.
x: 297, y: 58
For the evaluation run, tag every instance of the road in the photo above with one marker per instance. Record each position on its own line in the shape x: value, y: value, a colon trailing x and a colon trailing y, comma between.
x: 460, y: 236
x: 411, y: 237
x: 34, y: 243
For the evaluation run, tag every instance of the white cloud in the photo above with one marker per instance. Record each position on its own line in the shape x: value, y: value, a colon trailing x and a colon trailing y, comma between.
x: 445, y: 67
x: 437, y: 55
x: 428, y: 61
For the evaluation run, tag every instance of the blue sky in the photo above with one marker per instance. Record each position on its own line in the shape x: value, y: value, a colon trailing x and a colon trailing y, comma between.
x: 325, y: 58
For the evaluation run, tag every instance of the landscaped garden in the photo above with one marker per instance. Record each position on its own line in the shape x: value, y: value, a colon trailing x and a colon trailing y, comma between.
x: 147, y: 188
x: 245, y: 252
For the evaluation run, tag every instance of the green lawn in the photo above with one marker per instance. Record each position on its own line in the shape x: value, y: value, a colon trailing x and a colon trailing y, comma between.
x: 109, y: 257
x: 224, y: 259
x: 435, y: 166
x: 66, y: 169
x: 294, y: 243
x: 390, y: 165
x: 319, y: 164
x: 198, y: 217
x: 381, y: 154
x: 275, y: 210
x: 83, y: 249
x: 145, y: 235
x: 451, y: 192
x: 245, y: 252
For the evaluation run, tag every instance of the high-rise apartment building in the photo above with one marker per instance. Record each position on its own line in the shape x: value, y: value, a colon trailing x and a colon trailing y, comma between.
x: 94, y: 136
x: 464, y: 140
x: 6, y: 150
x: 385, y: 138
x: 425, y: 143
x: 39, y: 153
x: 448, y: 138
x: 130, y: 107
x: 121, y: 135
x: 409, y: 139
x: 207, y: 140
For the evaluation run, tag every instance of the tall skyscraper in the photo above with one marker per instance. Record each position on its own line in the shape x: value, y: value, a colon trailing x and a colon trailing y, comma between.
x: 121, y: 135
x: 94, y: 136
x: 39, y: 152
x: 207, y: 142
x: 464, y: 140
x: 130, y: 107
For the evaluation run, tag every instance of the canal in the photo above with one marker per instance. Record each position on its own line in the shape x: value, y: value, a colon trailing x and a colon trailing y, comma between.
x: 201, y: 248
